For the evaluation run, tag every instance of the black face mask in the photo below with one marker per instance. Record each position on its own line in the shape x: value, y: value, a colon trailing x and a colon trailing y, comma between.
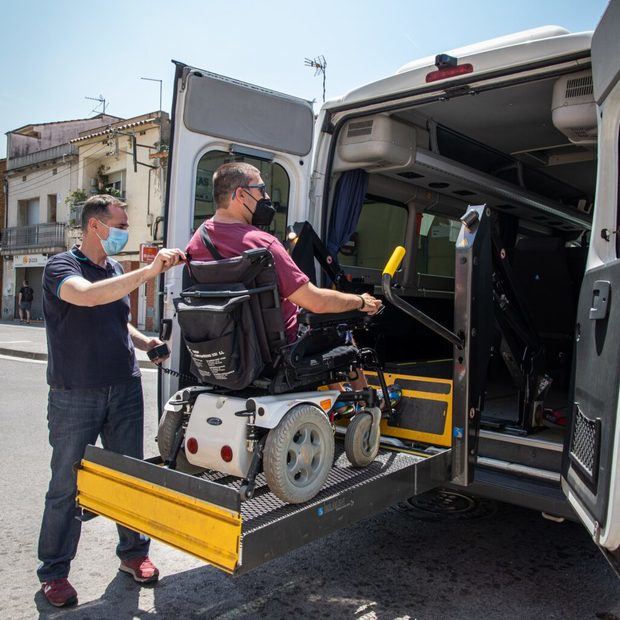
x: 263, y: 214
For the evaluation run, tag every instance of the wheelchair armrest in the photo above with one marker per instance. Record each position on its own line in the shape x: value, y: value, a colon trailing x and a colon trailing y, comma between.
x: 353, y: 319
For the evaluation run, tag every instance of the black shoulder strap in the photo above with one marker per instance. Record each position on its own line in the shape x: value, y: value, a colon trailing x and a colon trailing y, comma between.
x: 204, y: 235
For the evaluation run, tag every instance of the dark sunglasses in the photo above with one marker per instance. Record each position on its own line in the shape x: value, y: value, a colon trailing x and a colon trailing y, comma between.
x: 261, y: 187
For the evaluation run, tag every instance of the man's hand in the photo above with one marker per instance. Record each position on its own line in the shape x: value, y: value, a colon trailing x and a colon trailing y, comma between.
x: 166, y: 259
x: 372, y: 305
x: 151, y: 343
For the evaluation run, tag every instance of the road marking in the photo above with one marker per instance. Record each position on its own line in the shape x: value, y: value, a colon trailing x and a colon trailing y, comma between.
x: 13, y: 341
x: 12, y: 358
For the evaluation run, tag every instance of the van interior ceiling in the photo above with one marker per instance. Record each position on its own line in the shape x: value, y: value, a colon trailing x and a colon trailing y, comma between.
x: 528, y: 152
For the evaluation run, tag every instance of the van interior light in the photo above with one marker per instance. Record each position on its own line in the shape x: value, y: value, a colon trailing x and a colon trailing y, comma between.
x: 448, y: 72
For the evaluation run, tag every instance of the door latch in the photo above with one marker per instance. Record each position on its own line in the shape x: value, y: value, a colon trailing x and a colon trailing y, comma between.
x: 600, y: 299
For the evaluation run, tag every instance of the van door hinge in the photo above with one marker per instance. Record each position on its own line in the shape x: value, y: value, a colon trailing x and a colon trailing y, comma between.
x: 607, y: 234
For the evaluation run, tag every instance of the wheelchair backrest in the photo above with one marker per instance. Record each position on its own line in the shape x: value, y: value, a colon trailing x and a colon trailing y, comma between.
x: 231, y: 318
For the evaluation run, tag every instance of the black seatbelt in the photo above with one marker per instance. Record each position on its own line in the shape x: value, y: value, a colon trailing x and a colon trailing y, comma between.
x: 204, y: 235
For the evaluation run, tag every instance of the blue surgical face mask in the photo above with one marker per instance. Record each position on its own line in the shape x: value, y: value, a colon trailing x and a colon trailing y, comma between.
x: 116, y: 241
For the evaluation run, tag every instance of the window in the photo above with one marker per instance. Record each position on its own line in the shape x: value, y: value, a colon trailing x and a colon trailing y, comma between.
x: 52, y: 203
x: 381, y: 227
x: 273, y: 175
x: 435, y: 248
x: 28, y: 212
x: 114, y: 183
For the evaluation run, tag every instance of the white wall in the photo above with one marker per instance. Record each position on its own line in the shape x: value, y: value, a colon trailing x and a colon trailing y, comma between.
x: 39, y: 184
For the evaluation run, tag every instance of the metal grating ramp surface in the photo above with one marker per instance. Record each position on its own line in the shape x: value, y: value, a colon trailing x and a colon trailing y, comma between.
x: 271, y: 527
x: 265, y: 508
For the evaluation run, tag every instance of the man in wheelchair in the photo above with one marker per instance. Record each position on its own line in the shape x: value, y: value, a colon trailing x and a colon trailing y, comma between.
x: 260, y: 361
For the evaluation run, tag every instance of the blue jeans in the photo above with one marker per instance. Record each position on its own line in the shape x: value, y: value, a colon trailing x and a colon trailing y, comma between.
x: 75, y: 419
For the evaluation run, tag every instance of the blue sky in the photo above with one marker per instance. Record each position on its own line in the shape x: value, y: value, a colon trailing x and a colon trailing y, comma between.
x: 57, y: 53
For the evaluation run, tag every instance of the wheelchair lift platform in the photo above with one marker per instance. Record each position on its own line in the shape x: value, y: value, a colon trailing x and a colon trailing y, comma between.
x: 204, y: 515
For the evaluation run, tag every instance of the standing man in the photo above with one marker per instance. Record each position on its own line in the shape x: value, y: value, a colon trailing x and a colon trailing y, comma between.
x: 24, y: 299
x: 95, y: 386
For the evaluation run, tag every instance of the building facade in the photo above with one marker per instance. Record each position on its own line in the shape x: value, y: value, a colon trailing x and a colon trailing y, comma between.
x: 128, y: 159
x: 41, y: 170
x: 2, y: 210
x: 52, y: 168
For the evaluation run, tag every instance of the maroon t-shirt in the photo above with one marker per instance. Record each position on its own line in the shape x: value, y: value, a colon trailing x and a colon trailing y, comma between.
x: 233, y: 239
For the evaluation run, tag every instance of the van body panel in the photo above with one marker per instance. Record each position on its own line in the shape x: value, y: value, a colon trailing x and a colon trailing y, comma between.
x: 591, y: 472
x: 606, y: 50
x: 484, y: 62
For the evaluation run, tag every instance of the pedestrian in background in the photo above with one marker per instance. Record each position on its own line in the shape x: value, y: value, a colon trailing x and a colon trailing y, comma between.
x: 95, y: 386
x: 24, y: 300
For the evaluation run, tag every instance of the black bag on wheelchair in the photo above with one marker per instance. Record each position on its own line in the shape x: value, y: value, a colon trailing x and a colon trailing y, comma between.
x: 231, y: 320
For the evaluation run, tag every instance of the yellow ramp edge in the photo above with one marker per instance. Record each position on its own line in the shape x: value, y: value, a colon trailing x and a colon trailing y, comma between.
x: 207, y: 531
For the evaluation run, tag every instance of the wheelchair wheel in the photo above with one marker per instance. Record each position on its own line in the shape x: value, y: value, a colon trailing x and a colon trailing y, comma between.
x: 299, y: 454
x: 357, y: 441
x: 168, y: 425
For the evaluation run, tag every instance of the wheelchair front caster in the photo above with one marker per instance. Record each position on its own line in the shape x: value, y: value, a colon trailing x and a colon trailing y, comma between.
x: 361, y: 441
x: 246, y: 491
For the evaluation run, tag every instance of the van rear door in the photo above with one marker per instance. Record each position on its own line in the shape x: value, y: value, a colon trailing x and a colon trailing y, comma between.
x: 216, y: 119
x: 591, y: 472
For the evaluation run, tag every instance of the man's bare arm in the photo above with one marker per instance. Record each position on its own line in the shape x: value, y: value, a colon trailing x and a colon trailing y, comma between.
x: 324, y: 300
x: 140, y: 341
x: 81, y: 292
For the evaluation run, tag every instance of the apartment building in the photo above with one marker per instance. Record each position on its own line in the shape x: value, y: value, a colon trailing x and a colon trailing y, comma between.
x: 52, y: 169
x: 41, y: 170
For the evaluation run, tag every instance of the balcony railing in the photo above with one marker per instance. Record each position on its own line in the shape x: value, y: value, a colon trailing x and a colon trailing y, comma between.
x: 37, y: 236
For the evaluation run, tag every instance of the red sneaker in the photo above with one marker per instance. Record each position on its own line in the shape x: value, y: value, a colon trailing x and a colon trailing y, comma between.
x: 59, y: 592
x: 141, y: 569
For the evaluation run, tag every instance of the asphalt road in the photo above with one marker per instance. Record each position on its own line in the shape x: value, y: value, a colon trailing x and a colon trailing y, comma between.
x: 492, y: 561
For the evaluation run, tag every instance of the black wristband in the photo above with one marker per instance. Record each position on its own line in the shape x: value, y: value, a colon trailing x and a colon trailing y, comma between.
x: 363, y: 302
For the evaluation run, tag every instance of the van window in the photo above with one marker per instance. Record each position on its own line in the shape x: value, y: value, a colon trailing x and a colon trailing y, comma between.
x: 381, y: 227
x: 436, y: 242
x: 273, y: 175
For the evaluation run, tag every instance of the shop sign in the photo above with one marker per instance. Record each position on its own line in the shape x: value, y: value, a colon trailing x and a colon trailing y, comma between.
x: 148, y: 252
x: 30, y: 260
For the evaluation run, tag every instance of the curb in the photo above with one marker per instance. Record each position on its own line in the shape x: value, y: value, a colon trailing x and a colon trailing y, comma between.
x: 23, y: 354
x: 31, y: 355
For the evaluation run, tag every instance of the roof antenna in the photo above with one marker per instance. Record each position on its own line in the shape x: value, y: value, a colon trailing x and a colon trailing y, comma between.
x: 101, y: 100
x: 319, y: 64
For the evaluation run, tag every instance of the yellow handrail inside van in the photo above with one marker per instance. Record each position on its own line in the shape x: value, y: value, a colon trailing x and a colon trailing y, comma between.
x: 394, y: 263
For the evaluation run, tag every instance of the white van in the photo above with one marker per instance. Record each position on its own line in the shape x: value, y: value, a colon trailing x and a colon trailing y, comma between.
x: 517, y: 388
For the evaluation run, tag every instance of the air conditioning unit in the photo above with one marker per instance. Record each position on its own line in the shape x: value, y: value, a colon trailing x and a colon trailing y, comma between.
x: 373, y: 143
x: 573, y: 109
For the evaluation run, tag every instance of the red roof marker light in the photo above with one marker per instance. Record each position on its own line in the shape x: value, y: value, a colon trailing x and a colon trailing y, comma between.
x: 448, y: 72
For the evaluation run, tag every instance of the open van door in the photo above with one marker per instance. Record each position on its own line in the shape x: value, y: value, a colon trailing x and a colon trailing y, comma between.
x: 215, y: 120
x: 591, y: 471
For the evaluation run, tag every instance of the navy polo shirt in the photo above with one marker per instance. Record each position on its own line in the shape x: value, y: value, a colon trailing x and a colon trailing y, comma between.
x: 87, y: 347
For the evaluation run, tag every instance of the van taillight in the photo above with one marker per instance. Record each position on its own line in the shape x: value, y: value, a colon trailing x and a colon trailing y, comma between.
x: 192, y: 445
x: 226, y: 454
x: 448, y: 72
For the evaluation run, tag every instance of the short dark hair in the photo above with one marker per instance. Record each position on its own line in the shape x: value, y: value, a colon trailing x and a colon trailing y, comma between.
x: 227, y: 178
x: 25, y: 282
x: 97, y: 206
